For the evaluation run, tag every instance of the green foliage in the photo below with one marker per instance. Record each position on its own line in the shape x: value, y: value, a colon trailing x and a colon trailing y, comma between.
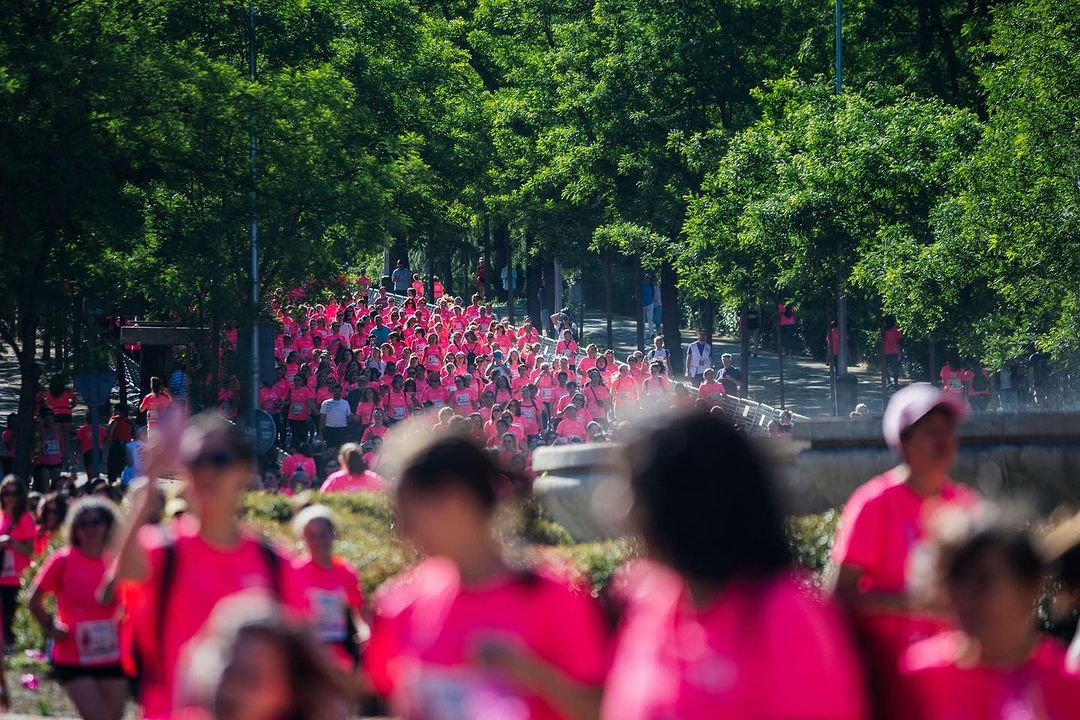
x: 812, y: 538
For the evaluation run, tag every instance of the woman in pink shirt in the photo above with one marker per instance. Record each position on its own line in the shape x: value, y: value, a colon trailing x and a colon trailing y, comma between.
x: 996, y: 665
x: 85, y: 653
x: 326, y: 588
x: 17, y: 536
x: 885, y: 521
x: 354, y: 475
x: 718, y: 623
x: 208, y: 558
x: 464, y: 633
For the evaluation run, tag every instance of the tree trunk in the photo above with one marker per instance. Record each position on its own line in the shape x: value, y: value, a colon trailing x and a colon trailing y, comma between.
x: 399, y: 250
x: 672, y: 317
x: 430, y: 270
x: 708, y: 318
x: 640, y: 314
x: 607, y: 298
x: 533, y: 282
x: 744, y: 353
x: 503, y: 259
x: 29, y: 374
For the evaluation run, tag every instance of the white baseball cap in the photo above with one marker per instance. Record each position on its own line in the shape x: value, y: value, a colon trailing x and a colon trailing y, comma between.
x: 911, y: 404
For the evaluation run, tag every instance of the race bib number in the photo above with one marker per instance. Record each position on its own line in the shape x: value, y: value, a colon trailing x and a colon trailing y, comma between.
x: 529, y: 413
x: 433, y: 361
x: 327, y: 615
x: 398, y: 412
x: 437, y: 403
x: 151, y: 417
x: 546, y: 394
x: 97, y: 642
x: 956, y: 384
x: 52, y: 447
x: 463, y: 398
x: 7, y: 569
x: 296, y: 408
x: 451, y: 694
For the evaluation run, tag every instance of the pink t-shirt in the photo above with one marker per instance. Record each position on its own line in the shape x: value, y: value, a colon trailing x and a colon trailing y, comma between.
x: 299, y: 398
x: 342, y: 481
x: 890, y: 341
x: 324, y: 596
x: 941, y: 687
x: 93, y: 629
x: 13, y: 562
x: 427, y: 629
x: 883, y: 521
x: 882, y: 525
x: 203, y: 575
x: 765, y: 650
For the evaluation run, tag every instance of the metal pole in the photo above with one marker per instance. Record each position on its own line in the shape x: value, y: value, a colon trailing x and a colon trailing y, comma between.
x: 253, y: 235
x: 841, y: 301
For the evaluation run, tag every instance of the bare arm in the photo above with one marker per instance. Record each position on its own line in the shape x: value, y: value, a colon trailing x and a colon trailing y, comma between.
x: 846, y: 589
x: 37, y: 608
x: 529, y: 672
x: 132, y: 562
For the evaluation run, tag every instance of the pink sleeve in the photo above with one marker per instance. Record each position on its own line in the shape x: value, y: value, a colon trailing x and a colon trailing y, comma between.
x: 580, y: 646
x: 25, y: 530
x: 858, y: 538
x: 48, y: 578
x: 808, y: 646
x: 353, y: 592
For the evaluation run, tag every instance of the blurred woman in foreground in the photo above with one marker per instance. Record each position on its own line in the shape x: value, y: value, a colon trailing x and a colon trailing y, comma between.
x: 996, y: 665
x: 252, y: 663
x: 464, y: 634
x: 718, y: 624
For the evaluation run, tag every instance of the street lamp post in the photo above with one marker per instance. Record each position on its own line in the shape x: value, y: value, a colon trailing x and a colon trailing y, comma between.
x: 841, y: 297
x: 253, y: 234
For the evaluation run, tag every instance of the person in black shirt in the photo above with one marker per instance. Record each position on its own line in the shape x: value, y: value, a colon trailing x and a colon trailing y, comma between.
x: 729, y: 375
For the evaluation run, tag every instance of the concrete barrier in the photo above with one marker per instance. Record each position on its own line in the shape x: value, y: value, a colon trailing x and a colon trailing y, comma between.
x: 1029, y: 458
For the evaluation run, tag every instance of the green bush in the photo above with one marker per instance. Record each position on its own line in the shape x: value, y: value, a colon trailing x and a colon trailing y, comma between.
x: 367, y: 537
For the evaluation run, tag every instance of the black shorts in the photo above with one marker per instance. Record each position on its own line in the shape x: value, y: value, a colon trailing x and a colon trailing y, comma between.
x: 68, y: 673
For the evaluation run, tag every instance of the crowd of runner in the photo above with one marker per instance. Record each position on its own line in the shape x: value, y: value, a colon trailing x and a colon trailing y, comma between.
x: 931, y: 613
x: 940, y: 607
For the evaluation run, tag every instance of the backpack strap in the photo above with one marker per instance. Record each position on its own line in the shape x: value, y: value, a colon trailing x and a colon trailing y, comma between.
x: 273, y: 565
x: 164, y: 588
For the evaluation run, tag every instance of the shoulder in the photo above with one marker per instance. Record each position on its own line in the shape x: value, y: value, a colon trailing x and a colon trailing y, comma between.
x: 428, y: 579
x: 934, y: 654
x: 875, y: 490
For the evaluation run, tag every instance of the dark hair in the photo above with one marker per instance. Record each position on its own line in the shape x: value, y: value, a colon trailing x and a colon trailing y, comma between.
x: 451, y: 461
x: 23, y: 504
x: 960, y: 557
x: 706, y: 500
x: 59, y: 502
x: 89, y: 505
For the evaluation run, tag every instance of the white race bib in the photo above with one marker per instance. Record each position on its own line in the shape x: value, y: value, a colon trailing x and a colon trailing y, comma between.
x: 460, y: 694
x: 398, y: 412
x: 151, y: 417
x: 327, y: 615
x: 296, y: 408
x: 98, y: 642
x: 52, y: 447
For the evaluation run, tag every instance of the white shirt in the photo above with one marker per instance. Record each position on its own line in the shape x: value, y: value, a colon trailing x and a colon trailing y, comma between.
x: 336, y: 412
x: 700, y: 358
